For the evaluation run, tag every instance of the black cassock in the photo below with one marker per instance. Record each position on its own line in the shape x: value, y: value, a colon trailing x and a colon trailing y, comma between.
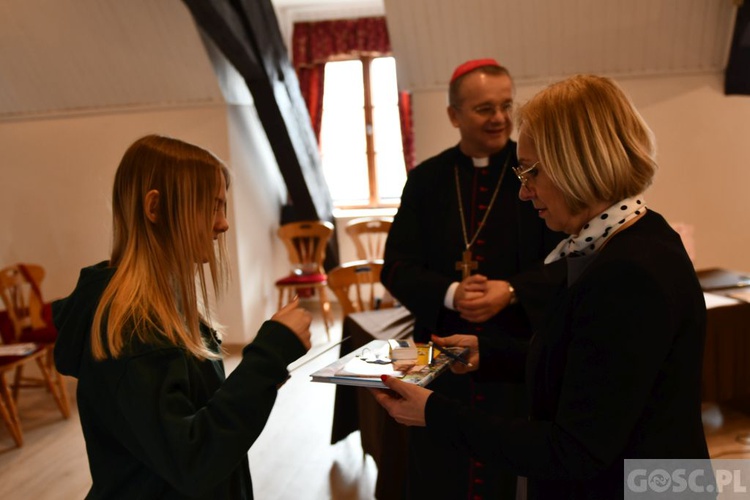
x: 423, y: 248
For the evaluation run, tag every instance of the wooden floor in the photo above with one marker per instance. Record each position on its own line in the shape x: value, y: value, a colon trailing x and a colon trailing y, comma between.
x: 292, y: 459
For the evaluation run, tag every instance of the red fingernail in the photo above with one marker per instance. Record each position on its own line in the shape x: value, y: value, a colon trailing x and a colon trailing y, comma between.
x: 384, y: 377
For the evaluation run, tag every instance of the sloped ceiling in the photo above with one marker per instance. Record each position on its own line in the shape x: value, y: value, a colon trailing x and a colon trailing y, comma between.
x: 543, y: 40
x: 72, y: 56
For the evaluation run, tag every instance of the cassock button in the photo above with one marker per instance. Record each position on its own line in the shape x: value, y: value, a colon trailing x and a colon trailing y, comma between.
x: 482, y: 207
x: 483, y: 189
x: 479, y: 258
x: 480, y: 242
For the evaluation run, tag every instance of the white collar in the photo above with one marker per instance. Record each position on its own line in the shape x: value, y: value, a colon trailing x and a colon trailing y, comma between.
x: 481, y: 162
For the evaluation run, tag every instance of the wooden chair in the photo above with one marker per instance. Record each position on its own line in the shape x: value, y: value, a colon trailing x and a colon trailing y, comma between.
x: 306, y: 246
x: 27, y: 318
x: 11, y: 363
x: 369, y: 235
x: 357, y: 286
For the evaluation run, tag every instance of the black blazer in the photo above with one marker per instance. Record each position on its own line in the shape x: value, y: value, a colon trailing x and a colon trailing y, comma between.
x: 613, y: 371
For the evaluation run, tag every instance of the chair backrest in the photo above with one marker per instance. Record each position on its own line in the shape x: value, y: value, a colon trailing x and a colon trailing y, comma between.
x: 306, y: 244
x: 357, y: 286
x: 369, y: 235
x: 22, y: 298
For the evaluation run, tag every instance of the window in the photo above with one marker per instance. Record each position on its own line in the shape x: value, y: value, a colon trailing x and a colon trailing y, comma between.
x: 360, y: 136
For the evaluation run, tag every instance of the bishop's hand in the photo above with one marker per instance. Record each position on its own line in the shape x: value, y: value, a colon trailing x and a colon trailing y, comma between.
x: 482, y: 299
x: 471, y: 287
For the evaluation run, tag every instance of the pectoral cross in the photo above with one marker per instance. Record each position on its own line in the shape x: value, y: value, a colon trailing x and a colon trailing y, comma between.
x: 466, y: 265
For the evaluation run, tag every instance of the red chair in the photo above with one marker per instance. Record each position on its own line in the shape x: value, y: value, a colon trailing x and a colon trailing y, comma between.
x: 28, y: 319
x: 306, y: 246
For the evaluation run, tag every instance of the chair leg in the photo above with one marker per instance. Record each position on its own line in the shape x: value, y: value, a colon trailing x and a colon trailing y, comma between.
x: 17, y: 380
x: 63, y: 390
x: 59, y: 381
x: 9, y: 412
x: 51, y: 386
x: 326, y: 307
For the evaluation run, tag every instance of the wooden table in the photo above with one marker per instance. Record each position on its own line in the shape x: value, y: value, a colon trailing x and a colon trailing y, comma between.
x: 385, y: 440
x: 726, y: 356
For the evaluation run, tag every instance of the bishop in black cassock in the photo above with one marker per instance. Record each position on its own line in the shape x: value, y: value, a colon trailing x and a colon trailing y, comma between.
x: 424, y: 246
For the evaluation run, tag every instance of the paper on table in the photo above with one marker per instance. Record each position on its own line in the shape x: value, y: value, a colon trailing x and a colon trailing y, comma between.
x: 20, y: 349
x: 713, y: 300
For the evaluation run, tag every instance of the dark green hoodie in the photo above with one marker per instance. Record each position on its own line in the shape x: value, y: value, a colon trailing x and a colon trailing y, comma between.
x: 160, y: 423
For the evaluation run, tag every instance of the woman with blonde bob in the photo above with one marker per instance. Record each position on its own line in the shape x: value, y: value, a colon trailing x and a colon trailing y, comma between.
x: 613, y: 372
x: 159, y: 418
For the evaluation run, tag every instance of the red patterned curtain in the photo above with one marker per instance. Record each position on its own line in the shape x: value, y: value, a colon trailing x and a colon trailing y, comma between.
x: 315, y: 43
x: 311, y: 80
x: 407, y: 132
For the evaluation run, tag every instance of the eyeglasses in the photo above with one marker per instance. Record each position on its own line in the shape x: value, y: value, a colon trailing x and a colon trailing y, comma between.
x: 523, y: 173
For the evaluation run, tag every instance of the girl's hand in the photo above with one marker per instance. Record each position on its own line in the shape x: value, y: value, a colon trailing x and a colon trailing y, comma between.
x: 296, y: 319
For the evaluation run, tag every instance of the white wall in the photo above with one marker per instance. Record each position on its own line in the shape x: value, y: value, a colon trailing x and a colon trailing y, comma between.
x: 704, y: 156
x: 258, y: 256
x: 55, y: 209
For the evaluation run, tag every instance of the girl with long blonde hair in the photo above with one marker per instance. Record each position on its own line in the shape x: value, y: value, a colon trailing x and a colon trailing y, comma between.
x: 159, y: 417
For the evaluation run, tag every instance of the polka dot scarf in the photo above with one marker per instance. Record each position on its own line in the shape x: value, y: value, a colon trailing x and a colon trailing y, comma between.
x: 598, y: 230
